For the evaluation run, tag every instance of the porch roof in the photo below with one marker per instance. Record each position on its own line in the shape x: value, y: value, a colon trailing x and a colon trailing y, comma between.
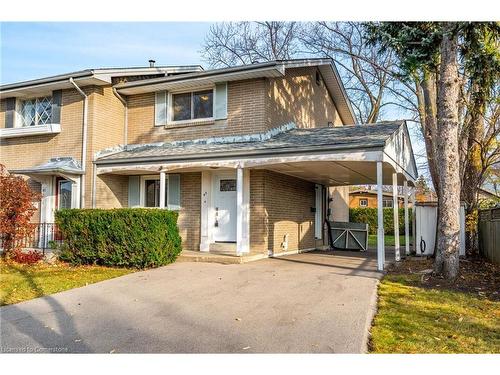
x: 385, y: 141
x: 64, y: 165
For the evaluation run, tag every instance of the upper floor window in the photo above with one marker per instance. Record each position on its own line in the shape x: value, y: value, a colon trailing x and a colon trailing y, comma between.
x: 192, y: 105
x: 387, y: 203
x: 36, y: 111
x: 197, y: 106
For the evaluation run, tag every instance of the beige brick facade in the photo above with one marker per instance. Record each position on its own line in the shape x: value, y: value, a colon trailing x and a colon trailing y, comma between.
x: 298, y: 98
x: 280, y: 205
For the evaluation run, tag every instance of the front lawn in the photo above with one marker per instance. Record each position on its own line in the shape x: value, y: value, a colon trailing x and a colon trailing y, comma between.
x: 419, y: 313
x: 23, y: 282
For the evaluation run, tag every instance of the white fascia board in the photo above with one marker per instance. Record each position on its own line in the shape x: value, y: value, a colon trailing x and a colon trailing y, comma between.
x: 399, y: 152
x: 177, y: 83
x: 47, y: 88
x: 245, y: 162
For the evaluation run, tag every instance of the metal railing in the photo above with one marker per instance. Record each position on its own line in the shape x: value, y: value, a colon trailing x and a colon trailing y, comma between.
x: 40, y: 237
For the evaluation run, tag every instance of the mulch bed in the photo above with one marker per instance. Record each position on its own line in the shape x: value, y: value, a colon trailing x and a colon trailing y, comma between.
x: 476, y: 276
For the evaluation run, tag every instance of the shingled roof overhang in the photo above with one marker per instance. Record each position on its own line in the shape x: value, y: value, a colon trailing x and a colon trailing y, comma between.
x: 356, y: 143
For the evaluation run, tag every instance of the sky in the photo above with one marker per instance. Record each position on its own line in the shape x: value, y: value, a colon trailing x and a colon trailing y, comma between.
x: 34, y: 50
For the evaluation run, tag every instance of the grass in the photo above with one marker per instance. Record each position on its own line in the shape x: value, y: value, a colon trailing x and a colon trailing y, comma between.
x: 20, y: 282
x: 388, y: 239
x: 413, y: 319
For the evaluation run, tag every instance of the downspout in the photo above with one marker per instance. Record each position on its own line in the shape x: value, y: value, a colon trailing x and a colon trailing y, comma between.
x: 84, y: 141
x: 125, y: 104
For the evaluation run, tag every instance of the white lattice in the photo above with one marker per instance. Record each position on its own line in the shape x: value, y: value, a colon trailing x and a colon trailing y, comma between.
x: 29, y: 113
x: 37, y: 111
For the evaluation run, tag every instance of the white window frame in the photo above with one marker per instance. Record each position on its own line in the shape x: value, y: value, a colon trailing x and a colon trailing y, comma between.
x: 387, y: 201
x: 142, y: 191
x: 19, y: 116
x: 365, y: 200
x: 170, y: 111
x: 166, y: 97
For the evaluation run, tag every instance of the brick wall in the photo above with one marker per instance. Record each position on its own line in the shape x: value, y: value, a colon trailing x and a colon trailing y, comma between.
x: 189, y: 221
x: 298, y: 98
x: 105, y: 129
x: 246, y: 115
x: 24, y: 152
x: 280, y: 205
x: 106, y: 124
x: 258, y: 212
x: 288, y: 201
x: 111, y: 191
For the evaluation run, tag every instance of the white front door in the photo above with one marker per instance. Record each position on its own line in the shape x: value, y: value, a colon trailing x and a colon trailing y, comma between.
x: 224, y: 208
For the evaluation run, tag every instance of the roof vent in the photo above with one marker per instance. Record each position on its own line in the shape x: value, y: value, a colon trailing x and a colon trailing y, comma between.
x: 152, y: 63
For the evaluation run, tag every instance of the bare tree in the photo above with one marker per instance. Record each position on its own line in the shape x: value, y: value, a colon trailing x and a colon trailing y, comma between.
x: 237, y: 43
x: 369, y: 76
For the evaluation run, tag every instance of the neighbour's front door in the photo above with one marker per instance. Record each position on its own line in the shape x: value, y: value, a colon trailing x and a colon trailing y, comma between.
x: 225, y: 208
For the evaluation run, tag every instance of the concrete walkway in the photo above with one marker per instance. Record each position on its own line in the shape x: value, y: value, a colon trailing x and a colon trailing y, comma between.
x: 304, y: 303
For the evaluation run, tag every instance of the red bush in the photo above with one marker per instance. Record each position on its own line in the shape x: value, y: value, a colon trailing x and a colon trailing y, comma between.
x: 27, y: 257
x: 16, y: 210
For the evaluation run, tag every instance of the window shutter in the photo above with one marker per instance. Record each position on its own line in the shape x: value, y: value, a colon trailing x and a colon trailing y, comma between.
x: 174, y: 192
x: 220, y: 101
x: 134, y: 191
x: 56, y: 106
x: 161, y: 108
x: 10, y: 112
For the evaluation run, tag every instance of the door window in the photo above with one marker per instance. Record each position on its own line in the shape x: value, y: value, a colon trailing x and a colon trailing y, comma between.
x: 64, y: 196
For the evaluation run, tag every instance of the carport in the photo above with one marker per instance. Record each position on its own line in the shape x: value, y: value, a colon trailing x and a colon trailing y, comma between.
x: 378, y: 154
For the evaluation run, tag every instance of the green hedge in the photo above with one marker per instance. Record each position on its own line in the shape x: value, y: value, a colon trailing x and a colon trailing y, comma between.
x: 369, y: 216
x: 125, y: 237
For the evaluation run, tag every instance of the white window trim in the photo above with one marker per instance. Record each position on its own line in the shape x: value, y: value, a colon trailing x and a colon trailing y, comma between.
x: 389, y: 202
x: 24, y: 131
x: 156, y: 107
x: 142, y: 191
x: 170, y: 111
x: 363, y: 200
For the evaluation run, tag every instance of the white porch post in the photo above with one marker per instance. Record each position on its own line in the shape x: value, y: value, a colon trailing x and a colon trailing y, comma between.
x: 395, y: 209
x: 407, y: 224
x: 380, y: 220
x: 413, y: 223
x: 162, y: 189
x: 242, y: 211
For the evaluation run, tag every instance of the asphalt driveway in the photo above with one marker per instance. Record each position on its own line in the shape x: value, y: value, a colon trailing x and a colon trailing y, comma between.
x: 305, y: 303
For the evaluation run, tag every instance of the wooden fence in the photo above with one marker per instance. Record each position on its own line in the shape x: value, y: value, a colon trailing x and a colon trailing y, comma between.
x: 489, y: 234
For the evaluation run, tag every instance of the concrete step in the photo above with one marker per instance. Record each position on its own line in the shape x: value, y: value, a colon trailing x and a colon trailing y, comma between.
x: 223, y: 248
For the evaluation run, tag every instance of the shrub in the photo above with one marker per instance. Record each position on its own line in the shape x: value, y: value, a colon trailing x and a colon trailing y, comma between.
x: 26, y: 257
x: 16, y: 210
x: 369, y: 216
x: 125, y: 237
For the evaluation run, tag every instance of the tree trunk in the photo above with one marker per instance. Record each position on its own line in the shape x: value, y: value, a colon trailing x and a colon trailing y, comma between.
x: 473, y: 168
x: 448, y: 242
x: 427, y: 99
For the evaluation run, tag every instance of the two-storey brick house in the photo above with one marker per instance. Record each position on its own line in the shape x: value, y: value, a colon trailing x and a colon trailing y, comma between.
x: 248, y: 155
